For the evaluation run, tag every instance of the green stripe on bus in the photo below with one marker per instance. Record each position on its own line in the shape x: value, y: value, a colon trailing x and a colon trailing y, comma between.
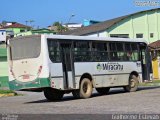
x: 38, y: 83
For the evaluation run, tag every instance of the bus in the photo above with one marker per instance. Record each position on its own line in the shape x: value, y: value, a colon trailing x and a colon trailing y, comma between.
x: 60, y: 64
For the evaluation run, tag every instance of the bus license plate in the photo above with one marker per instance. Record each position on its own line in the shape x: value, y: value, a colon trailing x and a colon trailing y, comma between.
x: 25, y: 76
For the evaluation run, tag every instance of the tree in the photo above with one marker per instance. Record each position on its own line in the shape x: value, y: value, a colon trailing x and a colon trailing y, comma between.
x: 59, y: 28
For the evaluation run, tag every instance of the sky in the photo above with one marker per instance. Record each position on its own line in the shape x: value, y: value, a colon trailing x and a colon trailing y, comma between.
x: 46, y: 12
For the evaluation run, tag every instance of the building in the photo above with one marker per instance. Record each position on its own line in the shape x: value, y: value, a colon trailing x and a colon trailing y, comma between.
x: 36, y: 32
x: 2, y: 35
x: 155, y: 51
x: 72, y: 26
x: 89, y: 22
x: 3, y: 67
x: 16, y: 27
x: 143, y: 24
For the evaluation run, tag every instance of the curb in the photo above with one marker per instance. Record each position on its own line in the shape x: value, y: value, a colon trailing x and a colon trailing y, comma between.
x: 7, y: 95
x: 151, y: 84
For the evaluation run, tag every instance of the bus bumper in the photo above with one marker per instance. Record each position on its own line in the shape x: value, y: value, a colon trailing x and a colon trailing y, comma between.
x: 37, y: 83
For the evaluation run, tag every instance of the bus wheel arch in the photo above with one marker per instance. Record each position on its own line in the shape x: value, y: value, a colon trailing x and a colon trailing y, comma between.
x: 85, y: 87
x: 134, y: 73
x: 133, y: 82
x: 85, y: 75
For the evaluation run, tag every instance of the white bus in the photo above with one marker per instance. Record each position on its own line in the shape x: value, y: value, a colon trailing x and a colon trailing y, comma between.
x: 59, y: 64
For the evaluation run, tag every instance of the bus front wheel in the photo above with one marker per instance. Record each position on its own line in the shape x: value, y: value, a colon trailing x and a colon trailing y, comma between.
x: 85, y: 90
x: 53, y: 94
x: 133, y: 84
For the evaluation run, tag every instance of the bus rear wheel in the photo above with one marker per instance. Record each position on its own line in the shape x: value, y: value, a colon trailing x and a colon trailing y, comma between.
x: 53, y: 94
x: 85, y: 90
x: 133, y: 84
x: 103, y: 91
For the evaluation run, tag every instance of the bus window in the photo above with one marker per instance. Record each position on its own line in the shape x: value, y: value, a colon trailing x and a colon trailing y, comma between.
x: 22, y: 49
x: 128, y: 52
x: 81, y: 51
x: 120, y: 51
x: 99, y: 51
x: 116, y: 51
x: 54, y: 52
x: 112, y: 50
x: 132, y: 53
x: 135, y: 53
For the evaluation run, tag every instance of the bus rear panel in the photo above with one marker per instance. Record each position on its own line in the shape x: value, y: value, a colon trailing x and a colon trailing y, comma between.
x: 26, y: 64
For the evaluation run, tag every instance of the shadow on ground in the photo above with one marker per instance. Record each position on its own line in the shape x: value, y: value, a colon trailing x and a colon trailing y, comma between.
x: 112, y: 92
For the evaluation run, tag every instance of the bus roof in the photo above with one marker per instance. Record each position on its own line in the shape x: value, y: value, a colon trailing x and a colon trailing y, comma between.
x: 72, y: 37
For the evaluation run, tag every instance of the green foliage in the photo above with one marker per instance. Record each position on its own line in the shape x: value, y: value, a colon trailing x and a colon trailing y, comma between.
x: 59, y: 27
x: 153, y: 83
x: 6, y: 91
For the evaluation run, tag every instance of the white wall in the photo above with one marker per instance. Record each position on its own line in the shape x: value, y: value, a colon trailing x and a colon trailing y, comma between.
x: 2, y: 35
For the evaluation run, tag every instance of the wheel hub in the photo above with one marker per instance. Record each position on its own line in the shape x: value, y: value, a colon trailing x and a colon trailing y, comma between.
x: 133, y: 84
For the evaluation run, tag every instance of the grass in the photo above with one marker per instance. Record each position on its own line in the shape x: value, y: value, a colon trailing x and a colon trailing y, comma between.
x: 153, y: 83
x: 7, y: 92
x: 2, y: 45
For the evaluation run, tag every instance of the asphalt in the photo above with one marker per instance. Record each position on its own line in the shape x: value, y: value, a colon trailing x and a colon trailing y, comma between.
x: 145, y: 100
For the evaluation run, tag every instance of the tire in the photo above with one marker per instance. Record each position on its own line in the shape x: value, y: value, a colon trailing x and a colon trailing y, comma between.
x: 85, y: 90
x: 103, y: 91
x: 133, y: 84
x: 53, y: 94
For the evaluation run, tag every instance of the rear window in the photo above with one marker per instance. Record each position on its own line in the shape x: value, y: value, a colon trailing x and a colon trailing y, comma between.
x: 25, y: 47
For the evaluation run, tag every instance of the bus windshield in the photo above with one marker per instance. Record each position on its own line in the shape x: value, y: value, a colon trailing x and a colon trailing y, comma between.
x: 25, y: 48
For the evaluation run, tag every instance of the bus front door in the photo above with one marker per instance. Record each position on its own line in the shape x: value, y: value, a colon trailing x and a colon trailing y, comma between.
x: 68, y: 66
x: 145, y: 62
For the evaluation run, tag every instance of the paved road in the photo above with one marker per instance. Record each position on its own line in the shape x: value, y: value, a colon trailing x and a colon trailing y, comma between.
x: 145, y: 100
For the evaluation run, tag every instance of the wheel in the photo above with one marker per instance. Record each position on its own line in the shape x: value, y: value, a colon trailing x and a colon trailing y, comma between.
x: 53, y: 94
x: 85, y: 90
x: 133, y: 84
x: 103, y: 91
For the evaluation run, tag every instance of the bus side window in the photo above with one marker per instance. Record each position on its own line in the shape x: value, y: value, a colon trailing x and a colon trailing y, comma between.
x: 81, y: 51
x: 135, y: 53
x: 120, y: 51
x: 99, y: 51
x: 132, y: 53
x: 116, y: 51
x: 112, y: 50
x: 128, y: 52
x: 54, y: 52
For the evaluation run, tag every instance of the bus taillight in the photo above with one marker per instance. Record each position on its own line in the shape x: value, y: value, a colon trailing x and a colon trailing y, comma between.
x: 39, y: 70
x: 12, y: 73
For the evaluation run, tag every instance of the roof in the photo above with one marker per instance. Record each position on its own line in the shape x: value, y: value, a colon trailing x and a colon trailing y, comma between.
x: 82, y: 38
x: 71, y: 23
x: 94, y: 28
x: 85, y: 38
x: 100, y: 26
x: 155, y: 45
x: 17, y: 25
x: 43, y: 30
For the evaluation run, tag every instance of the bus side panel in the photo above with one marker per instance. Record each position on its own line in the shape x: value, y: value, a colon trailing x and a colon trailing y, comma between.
x: 106, y: 74
x: 56, y: 75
